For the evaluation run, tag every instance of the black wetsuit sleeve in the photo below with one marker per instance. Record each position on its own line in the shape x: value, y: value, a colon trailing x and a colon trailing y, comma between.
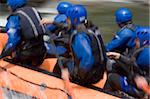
x: 125, y: 60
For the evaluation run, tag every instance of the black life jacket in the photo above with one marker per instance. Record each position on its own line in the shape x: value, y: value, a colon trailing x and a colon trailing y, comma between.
x: 30, y: 22
x: 99, y: 54
x: 131, y: 27
x: 133, y: 58
x: 92, y: 27
x: 31, y: 49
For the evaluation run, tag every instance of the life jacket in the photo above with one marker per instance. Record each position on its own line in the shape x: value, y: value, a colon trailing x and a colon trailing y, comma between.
x: 30, y: 22
x: 133, y: 58
x: 31, y: 49
x: 92, y: 27
x: 98, y: 51
x: 135, y: 29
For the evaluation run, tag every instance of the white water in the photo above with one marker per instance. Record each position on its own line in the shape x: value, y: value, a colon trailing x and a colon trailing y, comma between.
x: 8, y: 94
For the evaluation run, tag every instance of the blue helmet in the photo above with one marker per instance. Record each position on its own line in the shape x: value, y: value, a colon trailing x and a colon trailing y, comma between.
x: 14, y: 4
x: 63, y: 6
x: 77, y: 12
x: 143, y: 34
x: 123, y: 15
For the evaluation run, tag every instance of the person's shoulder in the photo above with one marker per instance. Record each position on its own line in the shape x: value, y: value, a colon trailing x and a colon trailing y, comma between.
x: 13, y: 17
x: 127, y: 32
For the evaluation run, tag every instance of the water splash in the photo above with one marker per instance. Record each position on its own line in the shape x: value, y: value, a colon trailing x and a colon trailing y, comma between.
x: 9, y: 94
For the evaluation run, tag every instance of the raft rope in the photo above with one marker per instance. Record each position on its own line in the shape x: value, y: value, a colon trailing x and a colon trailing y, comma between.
x: 40, y: 85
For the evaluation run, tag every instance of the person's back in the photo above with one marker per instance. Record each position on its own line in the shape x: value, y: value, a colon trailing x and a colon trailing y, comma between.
x: 25, y: 34
x: 89, y: 61
x: 124, y: 39
x: 88, y: 57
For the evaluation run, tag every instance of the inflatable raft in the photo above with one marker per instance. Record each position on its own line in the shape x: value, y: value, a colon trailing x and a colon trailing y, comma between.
x: 25, y: 82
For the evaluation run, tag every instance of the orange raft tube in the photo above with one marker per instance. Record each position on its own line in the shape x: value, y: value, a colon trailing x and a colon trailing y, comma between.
x: 38, y: 85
